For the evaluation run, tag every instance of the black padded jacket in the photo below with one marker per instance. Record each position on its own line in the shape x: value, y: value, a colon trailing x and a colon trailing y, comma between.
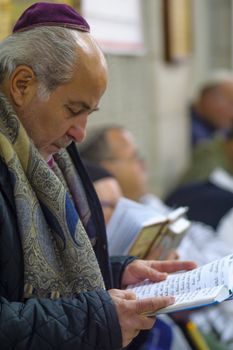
x: 87, y: 322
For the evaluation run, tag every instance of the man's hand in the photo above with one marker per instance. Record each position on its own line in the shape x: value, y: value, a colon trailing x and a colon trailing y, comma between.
x: 130, y: 312
x: 155, y: 271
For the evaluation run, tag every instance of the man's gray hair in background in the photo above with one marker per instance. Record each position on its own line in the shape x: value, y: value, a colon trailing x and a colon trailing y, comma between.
x: 95, y: 148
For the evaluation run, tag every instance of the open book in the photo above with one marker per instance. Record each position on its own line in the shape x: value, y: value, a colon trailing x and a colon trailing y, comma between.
x: 205, y: 285
x: 134, y: 228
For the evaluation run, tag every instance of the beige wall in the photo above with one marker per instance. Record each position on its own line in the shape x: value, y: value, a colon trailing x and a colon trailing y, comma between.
x: 151, y: 97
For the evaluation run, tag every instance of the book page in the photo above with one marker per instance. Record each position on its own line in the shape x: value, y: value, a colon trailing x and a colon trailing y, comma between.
x: 177, y: 213
x: 194, y: 299
x: 180, y: 225
x: 121, y: 236
x: 216, y: 273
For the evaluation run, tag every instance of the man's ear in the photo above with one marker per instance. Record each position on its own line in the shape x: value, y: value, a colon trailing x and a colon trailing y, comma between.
x: 23, y: 85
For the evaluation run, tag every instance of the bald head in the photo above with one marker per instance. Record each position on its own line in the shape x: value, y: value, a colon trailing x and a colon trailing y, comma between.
x: 90, y: 59
x: 215, y: 104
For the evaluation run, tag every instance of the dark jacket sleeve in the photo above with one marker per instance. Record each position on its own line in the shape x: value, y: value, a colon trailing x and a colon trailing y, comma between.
x: 88, y: 322
x: 119, y: 264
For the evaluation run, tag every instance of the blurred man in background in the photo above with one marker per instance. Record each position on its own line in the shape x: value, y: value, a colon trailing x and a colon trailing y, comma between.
x: 209, y: 155
x: 114, y: 148
x: 212, y: 111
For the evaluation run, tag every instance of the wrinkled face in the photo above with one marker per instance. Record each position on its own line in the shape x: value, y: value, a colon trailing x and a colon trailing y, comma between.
x: 54, y: 123
x: 125, y: 164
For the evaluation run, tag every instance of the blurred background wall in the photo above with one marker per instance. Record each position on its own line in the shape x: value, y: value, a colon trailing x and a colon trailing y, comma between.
x: 150, y: 95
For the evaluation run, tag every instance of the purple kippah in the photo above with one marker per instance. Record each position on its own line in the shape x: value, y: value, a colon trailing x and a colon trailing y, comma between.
x: 50, y: 14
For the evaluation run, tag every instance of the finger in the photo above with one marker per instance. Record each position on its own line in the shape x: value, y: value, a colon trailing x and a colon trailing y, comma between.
x: 152, y: 274
x: 173, y: 266
x: 151, y: 305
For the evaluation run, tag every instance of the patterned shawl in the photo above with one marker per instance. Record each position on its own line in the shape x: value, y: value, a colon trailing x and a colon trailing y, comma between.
x: 52, y: 216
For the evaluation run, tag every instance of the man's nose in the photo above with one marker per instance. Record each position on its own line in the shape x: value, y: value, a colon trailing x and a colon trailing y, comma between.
x: 78, y: 130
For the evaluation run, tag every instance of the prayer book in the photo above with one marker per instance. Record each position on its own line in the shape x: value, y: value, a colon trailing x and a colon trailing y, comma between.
x: 205, y: 285
x: 135, y: 228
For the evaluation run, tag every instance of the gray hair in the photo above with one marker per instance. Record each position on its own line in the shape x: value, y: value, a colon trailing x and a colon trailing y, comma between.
x: 96, y: 147
x: 49, y: 51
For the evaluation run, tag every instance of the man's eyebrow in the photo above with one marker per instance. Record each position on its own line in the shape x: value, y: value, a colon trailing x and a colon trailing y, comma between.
x: 83, y: 105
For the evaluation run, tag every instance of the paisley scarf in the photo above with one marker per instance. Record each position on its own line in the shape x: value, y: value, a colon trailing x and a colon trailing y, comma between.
x: 52, y: 214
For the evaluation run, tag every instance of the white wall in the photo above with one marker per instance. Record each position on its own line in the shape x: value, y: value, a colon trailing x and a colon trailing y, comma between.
x: 151, y: 97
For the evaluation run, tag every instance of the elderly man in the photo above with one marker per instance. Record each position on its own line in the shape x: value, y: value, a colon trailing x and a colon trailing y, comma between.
x: 55, y: 275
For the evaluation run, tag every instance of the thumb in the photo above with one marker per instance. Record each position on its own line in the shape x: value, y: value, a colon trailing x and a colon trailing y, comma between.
x: 151, y: 305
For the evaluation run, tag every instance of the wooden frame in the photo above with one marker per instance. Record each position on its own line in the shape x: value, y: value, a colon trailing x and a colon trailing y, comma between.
x: 177, y: 30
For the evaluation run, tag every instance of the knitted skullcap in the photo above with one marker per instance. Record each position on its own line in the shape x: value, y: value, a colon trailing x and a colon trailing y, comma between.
x: 50, y: 14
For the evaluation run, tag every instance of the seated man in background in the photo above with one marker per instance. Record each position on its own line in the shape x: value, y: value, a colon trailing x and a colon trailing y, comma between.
x: 56, y: 279
x: 109, y: 193
x: 114, y: 148
x: 212, y: 111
